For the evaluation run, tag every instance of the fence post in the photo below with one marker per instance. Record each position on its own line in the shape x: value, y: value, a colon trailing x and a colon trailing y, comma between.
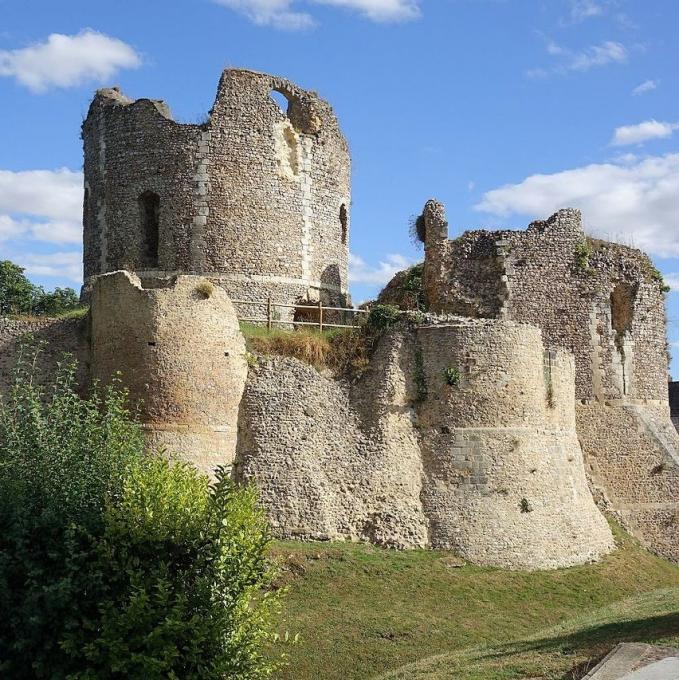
x: 320, y: 315
x: 268, y: 313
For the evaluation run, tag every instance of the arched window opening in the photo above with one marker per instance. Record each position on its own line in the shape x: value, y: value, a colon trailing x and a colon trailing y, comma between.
x: 622, y: 308
x: 280, y: 100
x: 149, y: 206
x: 344, y: 223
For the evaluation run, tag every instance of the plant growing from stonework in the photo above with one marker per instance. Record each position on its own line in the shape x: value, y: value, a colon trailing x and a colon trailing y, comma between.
x: 452, y: 375
x: 657, y: 276
x: 583, y: 252
x: 205, y: 289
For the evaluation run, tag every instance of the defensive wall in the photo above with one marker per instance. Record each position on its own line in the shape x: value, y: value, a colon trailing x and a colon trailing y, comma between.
x: 603, y: 303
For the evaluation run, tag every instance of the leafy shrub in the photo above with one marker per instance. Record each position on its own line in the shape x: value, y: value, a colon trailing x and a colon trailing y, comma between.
x: 61, y: 459
x: 113, y: 563
x: 185, y: 567
x: 382, y: 317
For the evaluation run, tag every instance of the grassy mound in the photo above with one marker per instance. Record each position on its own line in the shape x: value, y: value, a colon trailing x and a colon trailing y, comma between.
x: 364, y: 612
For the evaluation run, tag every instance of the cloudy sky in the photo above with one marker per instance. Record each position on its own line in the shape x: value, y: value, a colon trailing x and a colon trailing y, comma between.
x: 505, y: 111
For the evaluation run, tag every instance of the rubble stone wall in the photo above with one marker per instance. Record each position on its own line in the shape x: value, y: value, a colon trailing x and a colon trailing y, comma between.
x: 255, y: 198
x: 56, y: 340
x: 489, y: 466
x: 601, y: 301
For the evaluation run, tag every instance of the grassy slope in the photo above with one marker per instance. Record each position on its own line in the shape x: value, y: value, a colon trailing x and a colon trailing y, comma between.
x: 362, y: 612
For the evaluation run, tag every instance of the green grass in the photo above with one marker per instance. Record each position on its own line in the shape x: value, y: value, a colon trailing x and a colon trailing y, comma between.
x: 363, y: 612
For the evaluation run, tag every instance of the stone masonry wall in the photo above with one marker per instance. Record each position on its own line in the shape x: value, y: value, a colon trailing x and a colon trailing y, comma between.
x: 633, y: 461
x: 601, y: 301
x: 404, y: 459
x: 57, y: 340
x: 255, y: 198
x: 181, y: 354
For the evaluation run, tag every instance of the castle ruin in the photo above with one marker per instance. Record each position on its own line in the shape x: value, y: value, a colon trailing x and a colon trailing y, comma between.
x: 256, y: 199
x: 525, y: 397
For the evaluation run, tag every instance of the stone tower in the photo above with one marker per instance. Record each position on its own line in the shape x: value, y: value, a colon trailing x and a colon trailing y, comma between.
x: 180, y: 353
x: 255, y: 198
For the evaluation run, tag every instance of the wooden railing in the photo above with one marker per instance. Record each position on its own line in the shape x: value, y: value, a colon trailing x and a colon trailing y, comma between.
x: 319, y: 309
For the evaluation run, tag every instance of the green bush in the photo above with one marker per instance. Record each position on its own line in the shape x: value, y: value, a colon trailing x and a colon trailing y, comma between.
x: 114, y: 563
x: 382, y: 317
x: 183, y: 595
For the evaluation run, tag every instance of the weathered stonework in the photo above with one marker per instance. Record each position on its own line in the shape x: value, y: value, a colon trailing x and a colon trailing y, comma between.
x: 604, y: 303
x: 180, y: 353
x: 254, y: 198
x: 490, y: 466
x: 534, y: 384
x: 55, y: 339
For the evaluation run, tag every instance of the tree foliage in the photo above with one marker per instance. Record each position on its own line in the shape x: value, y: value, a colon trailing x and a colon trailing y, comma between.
x: 19, y: 296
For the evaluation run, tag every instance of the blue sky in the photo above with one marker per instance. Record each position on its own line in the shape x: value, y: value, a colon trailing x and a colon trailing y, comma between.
x: 503, y: 110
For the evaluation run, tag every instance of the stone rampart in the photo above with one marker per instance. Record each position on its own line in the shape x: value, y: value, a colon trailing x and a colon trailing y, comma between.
x: 55, y: 339
x: 459, y: 436
x: 180, y: 353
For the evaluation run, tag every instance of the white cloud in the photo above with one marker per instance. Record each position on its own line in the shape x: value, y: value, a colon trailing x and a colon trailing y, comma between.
x: 68, y: 60
x: 286, y: 14
x: 380, y: 10
x: 642, y: 132
x: 585, y: 9
x: 43, y: 205
x: 67, y: 265
x: 277, y: 13
x: 672, y: 280
x: 361, y: 272
x: 609, y: 52
x: 635, y: 203
x: 646, y: 86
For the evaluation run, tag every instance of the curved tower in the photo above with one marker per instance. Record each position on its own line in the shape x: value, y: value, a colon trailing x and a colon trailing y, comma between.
x: 256, y: 198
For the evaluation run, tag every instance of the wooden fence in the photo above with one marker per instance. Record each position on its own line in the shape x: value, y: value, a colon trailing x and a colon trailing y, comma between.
x: 318, y: 311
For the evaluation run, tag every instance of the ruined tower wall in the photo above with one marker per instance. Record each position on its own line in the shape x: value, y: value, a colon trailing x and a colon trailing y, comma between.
x: 601, y: 301
x: 180, y: 353
x: 505, y: 481
x: 255, y: 198
x: 489, y: 466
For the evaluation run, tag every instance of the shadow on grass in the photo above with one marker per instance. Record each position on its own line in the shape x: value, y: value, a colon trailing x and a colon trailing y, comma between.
x: 594, y: 641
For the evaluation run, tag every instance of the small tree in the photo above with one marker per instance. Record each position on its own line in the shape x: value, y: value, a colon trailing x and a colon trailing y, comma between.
x: 58, y: 301
x: 17, y: 293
